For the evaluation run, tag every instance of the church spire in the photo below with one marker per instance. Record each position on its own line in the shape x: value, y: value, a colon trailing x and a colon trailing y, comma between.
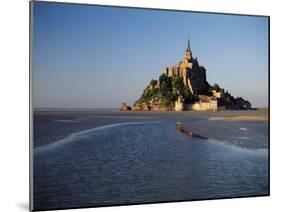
x: 188, y: 45
x: 188, y: 53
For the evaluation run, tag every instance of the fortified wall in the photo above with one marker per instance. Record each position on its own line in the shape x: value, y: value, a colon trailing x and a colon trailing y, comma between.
x: 205, y: 103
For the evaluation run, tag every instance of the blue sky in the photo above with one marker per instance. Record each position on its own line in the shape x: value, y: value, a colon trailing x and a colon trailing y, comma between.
x: 98, y: 57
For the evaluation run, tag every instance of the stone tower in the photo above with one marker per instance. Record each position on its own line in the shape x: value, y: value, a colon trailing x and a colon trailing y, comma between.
x: 179, y: 105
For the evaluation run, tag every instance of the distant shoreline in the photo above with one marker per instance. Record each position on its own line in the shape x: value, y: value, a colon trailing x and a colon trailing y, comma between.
x: 260, y: 115
x: 241, y: 118
x: 118, y: 110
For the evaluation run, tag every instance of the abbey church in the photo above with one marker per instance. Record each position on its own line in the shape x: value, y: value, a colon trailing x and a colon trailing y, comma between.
x: 193, y: 75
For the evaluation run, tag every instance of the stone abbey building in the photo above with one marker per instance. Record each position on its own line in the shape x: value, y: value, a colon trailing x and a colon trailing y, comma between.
x: 193, y: 75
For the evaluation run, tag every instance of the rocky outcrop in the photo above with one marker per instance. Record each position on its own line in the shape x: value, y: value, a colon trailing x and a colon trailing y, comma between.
x: 232, y: 103
x: 141, y: 106
x: 125, y: 107
x: 187, y: 132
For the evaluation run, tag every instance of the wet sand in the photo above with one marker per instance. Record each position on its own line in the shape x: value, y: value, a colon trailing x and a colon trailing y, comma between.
x: 234, y: 127
x: 259, y: 115
x: 241, y: 118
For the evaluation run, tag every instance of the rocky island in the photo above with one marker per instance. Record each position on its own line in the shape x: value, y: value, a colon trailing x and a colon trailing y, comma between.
x: 184, y: 86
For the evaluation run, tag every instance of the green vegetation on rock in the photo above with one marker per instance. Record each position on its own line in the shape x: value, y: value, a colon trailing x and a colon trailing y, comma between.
x: 164, y: 94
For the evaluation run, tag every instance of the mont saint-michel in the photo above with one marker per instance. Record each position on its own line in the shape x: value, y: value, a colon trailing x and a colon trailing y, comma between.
x: 184, y: 86
x: 193, y: 123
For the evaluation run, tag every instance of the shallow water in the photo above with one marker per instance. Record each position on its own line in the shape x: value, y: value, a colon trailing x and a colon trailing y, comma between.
x: 121, y: 160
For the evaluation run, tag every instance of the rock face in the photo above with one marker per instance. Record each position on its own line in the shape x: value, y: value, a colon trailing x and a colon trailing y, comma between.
x: 185, y: 86
x: 141, y: 106
x: 198, y: 79
x: 125, y: 107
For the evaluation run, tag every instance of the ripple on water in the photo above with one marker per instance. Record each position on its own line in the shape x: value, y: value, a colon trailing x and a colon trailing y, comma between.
x: 82, y: 134
x: 139, y: 162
